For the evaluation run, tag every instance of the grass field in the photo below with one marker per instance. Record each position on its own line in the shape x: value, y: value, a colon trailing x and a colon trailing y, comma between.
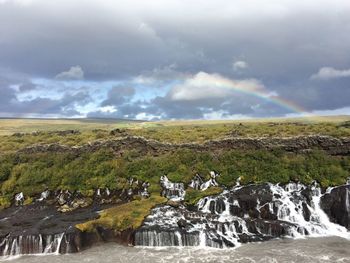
x: 305, y: 120
x: 164, y: 131
x: 200, y: 131
x: 10, y: 126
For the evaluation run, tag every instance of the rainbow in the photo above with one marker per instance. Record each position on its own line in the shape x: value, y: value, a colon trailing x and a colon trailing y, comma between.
x: 249, y: 87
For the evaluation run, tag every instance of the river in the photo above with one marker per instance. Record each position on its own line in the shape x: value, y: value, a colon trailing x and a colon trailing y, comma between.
x: 326, y: 249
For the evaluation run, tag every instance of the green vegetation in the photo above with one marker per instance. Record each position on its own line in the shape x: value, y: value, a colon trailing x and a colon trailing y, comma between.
x: 129, y: 215
x: 193, y: 196
x: 5, y: 202
x: 32, y: 173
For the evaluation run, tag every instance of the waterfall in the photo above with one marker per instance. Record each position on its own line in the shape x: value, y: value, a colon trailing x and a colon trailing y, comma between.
x: 172, y: 191
x: 249, y: 213
x: 290, y: 205
x: 31, y: 244
x: 244, y: 214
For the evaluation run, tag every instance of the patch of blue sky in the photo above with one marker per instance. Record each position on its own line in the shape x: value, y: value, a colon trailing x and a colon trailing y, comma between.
x: 55, y: 89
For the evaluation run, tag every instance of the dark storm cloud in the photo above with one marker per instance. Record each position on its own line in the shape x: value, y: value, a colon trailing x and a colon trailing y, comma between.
x: 7, y: 95
x: 113, y: 38
x: 28, y: 86
x: 319, y: 95
x: 280, y: 43
x: 118, y: 95
x: 237, y: 104
x: 42, y: 106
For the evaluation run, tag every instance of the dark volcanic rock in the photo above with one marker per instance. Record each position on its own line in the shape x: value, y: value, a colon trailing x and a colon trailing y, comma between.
x: 248, y: 214
x: 243, y: 214
x: 40, y: 218
x: 336, y: 204
x: 40, y: 228
x: 333, y: 146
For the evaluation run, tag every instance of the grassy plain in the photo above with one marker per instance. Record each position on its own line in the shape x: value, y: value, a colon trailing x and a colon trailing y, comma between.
x: 39, y: 131
x: 11, y: 126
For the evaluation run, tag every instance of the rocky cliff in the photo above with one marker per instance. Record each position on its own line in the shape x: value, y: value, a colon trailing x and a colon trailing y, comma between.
x: 331, y: 145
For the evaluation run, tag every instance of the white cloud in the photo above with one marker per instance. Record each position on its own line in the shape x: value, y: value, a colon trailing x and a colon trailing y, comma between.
x: 239, y: 65
x: 224, y: 115
x: 147, y: 116
x: 74, y: 73
x: 331, y: 73
x: 107, y: 109
x: 204, y: 85
x: 17, y: 2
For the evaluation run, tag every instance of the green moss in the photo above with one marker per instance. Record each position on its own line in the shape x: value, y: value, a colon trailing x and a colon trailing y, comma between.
x: 122, y: 217
x: 28, y: 201
x: 193, y: 196
x: 5, y: 202
x: 88, y: 193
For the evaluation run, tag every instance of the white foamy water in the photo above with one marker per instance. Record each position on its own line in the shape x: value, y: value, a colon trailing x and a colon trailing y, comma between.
x: 221, y: 221
x: 327, y: 249
x: 290, y: 203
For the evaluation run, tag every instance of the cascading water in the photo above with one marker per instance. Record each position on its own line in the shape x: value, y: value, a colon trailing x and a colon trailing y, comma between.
x: 292, y: 207
x: 172, y: 191
x: 243, y: 214
x: 31, y: 244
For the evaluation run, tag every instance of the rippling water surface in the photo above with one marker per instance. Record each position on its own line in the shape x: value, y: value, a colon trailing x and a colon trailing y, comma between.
x: 327, y: 249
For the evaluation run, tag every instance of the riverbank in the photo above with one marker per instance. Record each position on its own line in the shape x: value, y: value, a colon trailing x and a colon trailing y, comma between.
x: 318, y: 250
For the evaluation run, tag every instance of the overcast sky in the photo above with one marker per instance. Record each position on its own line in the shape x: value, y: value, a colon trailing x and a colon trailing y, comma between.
x: 173, y: 59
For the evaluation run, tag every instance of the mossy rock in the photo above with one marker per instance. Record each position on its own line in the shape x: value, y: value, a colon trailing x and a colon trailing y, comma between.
x: 193, y: 196
x: 29, y: 200
x: 122, y: 217
x: 5, y: 202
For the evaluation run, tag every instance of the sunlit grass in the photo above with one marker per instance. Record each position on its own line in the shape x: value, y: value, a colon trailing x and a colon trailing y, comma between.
x: 125, y: 216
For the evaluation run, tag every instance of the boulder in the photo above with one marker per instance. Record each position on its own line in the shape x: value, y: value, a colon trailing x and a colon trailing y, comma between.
x: 336, y: 204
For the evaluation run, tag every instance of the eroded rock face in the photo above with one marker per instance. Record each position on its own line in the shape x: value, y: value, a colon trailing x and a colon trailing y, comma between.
x: 336, y: 204
x: 48, y: 224
x: 331, y: 145
x: 243, y: 214
x: 40, y: 228
x: 67, y: 201
x: 70, y: 241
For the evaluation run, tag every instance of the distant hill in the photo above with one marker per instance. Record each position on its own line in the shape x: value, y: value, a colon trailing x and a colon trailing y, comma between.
x: 27, y: 125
